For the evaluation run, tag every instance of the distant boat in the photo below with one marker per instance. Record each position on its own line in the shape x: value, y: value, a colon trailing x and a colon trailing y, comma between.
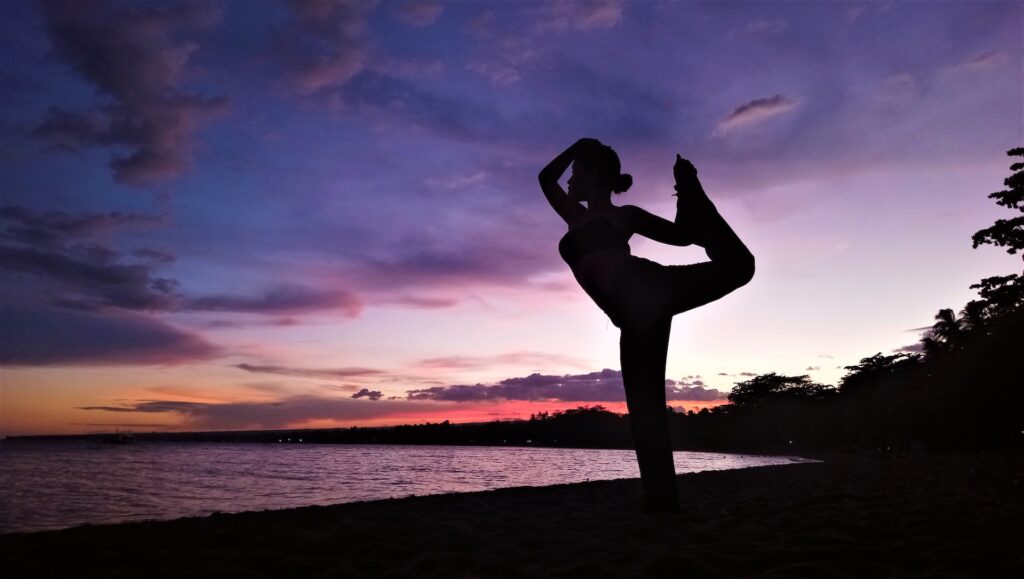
x: 119, y: 438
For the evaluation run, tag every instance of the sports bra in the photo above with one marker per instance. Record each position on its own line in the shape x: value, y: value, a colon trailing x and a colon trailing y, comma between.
x: 594, y: 235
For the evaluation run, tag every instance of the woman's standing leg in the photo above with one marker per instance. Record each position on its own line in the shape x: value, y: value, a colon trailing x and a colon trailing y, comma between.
x: 643, y: 350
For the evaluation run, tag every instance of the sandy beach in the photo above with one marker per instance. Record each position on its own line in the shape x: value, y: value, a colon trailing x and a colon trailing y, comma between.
x: 919, y: 515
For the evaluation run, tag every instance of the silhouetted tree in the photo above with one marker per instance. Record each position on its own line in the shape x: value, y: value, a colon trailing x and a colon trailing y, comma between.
x: 874, y: 370
x: 1008, y: 233
x: 1002, y: 294
x: 772, y: 387
x: 945, y: 335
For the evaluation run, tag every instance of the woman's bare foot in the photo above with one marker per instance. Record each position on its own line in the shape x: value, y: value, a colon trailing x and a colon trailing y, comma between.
x: 693, y: 208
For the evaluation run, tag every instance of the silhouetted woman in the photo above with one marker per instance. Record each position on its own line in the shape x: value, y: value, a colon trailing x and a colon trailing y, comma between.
x: 641, y: 296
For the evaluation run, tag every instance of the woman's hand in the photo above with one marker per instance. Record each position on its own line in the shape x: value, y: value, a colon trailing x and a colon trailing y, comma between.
x: 585, y: 142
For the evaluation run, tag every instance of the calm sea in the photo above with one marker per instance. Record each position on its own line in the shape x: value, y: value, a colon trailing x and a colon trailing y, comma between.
x: 52, y: 485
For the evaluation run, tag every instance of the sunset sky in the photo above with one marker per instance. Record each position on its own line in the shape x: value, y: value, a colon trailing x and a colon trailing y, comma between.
x: 267, y: 214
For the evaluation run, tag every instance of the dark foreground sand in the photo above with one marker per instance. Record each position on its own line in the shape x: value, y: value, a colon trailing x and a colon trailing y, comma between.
x: 852, y: 516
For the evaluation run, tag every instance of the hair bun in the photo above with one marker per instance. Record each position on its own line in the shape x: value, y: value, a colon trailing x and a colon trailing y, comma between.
x: 623, y: 183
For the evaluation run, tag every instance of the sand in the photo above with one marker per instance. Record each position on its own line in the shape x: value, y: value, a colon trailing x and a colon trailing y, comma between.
x: 851, y: 516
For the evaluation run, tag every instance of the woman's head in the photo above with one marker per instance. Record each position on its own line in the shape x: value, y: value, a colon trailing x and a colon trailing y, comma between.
x: 597, y: 169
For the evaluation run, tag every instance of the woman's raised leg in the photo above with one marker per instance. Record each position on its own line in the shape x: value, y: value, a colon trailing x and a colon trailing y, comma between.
x: 731, y: 265
x: 643, y: 351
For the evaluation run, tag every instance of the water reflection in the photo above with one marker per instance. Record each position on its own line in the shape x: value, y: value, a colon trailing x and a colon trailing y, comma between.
x: 49, y: 485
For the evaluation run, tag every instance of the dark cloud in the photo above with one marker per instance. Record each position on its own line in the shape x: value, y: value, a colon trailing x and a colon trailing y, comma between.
x: 73, y: 300
x: 754, y: 112
x: 78, y: 300
x: 367, y: 393
x: 812, y: 368
x: 91, y: 279
x: 332, y: 373
x: 42, y: 337
x: 133, y: 55
x: 284, y: 413
x: 52, y: 228
x: 284, y: 299
x: 88, y: 275
x: 84, y: 274
x: 605, y: 385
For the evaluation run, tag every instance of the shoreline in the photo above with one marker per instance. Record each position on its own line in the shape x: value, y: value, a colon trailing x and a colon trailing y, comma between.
x: 852, y: 515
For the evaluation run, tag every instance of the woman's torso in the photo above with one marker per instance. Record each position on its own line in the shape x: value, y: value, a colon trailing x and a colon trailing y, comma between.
x: 595, y: 269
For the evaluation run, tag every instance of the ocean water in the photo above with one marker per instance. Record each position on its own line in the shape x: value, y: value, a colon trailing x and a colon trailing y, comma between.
x: 53, y: 485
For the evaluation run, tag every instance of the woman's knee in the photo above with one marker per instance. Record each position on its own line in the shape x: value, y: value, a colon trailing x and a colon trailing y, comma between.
x: 743, y: 269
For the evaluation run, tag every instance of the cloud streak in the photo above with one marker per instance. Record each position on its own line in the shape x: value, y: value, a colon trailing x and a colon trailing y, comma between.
x: 330, y: 373
x: 284, y: 299
x: 754, y: 112
x: 49, y: 337
x: 283, y: 413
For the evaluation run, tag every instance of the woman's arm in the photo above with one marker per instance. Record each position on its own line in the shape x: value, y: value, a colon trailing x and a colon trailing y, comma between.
x: 653, y: 227
x: 549, y: 177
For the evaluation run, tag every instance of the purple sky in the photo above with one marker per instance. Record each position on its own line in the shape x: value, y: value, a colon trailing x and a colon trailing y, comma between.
x: 234, y: 214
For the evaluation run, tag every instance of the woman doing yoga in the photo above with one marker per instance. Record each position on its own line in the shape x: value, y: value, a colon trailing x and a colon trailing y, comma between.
x: 638, y: 295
